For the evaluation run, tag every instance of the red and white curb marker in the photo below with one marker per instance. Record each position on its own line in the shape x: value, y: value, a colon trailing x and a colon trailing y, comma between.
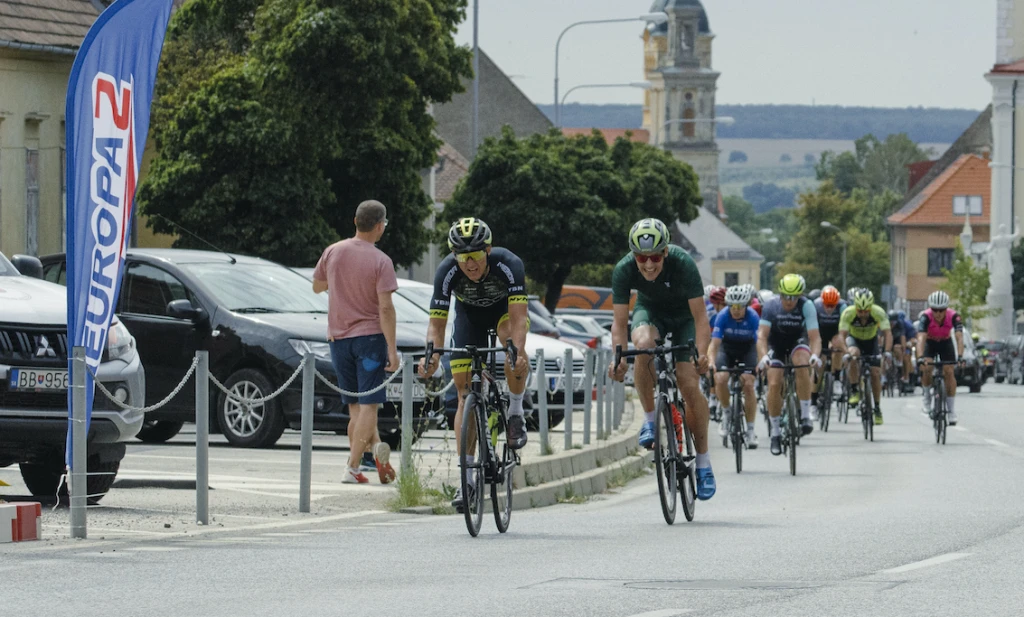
x: 20, y: 521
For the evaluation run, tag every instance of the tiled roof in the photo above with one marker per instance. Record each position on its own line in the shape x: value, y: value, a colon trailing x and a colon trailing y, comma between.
x: 933, y: 205
x: 57, y: 23
x: 451, y: 167
x: 610, y: 135
x: 1013, y: 67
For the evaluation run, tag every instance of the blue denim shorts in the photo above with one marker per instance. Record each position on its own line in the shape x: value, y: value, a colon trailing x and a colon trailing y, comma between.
x: 359, y: 364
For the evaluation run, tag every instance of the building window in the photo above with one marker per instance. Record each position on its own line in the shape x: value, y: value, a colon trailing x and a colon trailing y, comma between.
x: 962, y: 204
x: 939, y: 260
x: 732, y: 278
x: 32, y: 201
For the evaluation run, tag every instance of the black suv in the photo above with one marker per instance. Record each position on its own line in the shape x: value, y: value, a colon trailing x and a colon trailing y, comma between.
x: 256, y: 318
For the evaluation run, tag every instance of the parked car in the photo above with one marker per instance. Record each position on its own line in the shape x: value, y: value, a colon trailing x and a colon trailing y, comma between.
x: 1008, y: 362
x: 604, y: 318
x: 588, y: 328
x: 257, y: 319
x: 972, y: 374
x: 554, y: 357
x: 34, y: 385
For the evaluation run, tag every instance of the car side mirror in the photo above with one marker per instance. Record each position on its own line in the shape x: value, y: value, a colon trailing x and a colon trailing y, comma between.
x: 28, y: 265
x: 183, y: 309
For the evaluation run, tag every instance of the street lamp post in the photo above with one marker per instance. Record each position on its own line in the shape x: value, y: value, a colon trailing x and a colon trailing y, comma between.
x: 726, y: 120
x: 766, y: 275
x: 657, y: 18
x: 842, y: 236
x: 476, y: 77
x: 646, y: 85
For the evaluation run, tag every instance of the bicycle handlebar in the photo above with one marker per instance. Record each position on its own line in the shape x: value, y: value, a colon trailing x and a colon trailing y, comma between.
x: 473, y: 350
x: 921, y: 362
x: 660, y: 350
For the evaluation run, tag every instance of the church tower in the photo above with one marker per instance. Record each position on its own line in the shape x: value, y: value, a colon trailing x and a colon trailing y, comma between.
x: 679, y: 110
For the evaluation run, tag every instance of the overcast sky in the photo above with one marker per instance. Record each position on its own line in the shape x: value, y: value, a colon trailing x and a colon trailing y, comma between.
x: 878, y: 53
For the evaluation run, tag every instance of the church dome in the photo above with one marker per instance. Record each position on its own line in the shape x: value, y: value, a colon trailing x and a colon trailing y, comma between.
x: 659, y: 6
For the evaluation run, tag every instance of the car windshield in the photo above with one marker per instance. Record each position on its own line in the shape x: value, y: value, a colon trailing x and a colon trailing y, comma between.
x: 408, y: 311
x: 420, y: 296
x: 258, y: 288
x: 6, y: 267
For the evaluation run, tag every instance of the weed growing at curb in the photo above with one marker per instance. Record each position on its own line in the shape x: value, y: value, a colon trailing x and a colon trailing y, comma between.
x: 570, y: 496
x: 626, y: 474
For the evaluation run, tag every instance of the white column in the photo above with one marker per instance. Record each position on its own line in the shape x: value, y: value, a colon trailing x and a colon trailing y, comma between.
x: 1000, y: 293
x: 1004, y: 31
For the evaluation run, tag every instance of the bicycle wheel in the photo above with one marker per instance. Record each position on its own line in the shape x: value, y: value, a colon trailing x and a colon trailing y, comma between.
x: 865, y: 401
x: 501, y: 486
x: 666, y: 459
x: 825, y: 410
x: 939, y: 411
x: 738, y: 434
x: 794, y: 435
x: 472, y: 477
x: 689, y: 470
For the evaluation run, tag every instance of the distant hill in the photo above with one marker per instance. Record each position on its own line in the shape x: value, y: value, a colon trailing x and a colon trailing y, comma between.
x: 795, y: 121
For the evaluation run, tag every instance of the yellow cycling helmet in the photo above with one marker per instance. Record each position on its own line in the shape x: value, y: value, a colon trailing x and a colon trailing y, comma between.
x: 864, y: 300
x: 792, y: 285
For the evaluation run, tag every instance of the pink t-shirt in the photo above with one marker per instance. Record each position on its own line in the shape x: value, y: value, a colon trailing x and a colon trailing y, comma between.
x: 355, y: 271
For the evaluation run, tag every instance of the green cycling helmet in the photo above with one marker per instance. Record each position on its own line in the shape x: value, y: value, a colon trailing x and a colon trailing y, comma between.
x: 792, y: 285
x: 864, y: 300
x: 648, y: 236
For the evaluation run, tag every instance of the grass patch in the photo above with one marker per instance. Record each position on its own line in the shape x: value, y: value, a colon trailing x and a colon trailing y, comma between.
x: 413, y: 492
x: 627, y: 474
x: 545, y: 449
x: 570, y: 496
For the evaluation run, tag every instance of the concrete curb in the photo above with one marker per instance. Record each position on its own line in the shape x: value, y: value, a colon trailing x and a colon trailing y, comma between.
x: 583, y: 484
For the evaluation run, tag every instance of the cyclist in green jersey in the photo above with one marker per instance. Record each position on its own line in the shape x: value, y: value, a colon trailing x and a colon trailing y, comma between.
x: 859, y: 328
x: 669, y: 301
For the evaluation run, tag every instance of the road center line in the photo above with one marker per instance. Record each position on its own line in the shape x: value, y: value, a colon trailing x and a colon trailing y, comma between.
x: 925, y: 563
x: 996, y: 442
x: 664, y: 612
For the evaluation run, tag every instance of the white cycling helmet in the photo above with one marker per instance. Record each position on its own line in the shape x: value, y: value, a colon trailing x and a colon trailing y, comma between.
x: 938, y: 300
x: 737, y: 294
x: 707, y: 291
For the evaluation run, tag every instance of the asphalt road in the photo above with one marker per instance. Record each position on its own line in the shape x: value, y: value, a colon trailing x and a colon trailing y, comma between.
x: 901, y: 526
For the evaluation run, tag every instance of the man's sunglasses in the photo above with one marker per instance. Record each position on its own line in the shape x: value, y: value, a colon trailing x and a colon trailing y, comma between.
x: 738, y: 307
x: 654, y: 259
x: 790, y: 298
x: 475, y: 256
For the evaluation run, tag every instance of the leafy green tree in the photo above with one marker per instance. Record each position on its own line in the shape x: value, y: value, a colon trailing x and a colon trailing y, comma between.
x: 737, y: 156
x: 561, y: 202
x: 876, y: 166
x: 765, y: 196
x: 274, y: 118
x: 591, y: 275
x: 841, y: 169
x: 967, y: 285
x: 758, y: 230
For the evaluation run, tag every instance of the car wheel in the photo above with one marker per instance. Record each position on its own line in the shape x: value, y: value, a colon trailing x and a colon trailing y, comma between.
x: 250, y: 426
x: 158, y: 431
x: 42, y: 479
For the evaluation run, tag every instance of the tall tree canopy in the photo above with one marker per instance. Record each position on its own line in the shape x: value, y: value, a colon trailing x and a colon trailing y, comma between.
x: 877, y: 166
x: 559, y: 202
x: 274, y: 118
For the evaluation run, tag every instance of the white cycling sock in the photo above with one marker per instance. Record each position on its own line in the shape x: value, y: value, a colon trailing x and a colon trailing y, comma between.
x: 649, y: 416
x: 805, y: 410
x: 750, y: 427
x: 703, y: 460
x: 515, y: 404
x: 949, y: 404
x: 776, y: 423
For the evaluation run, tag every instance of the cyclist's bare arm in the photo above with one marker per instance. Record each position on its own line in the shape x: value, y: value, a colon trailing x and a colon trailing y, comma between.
x: 435, y: 335
x: 814, y: 338
x: 959, y: 344
x: 700, y: 318
x: 620, y: 335
x: 921, y: 336
x: 762, y: 340
x: 887, y: 345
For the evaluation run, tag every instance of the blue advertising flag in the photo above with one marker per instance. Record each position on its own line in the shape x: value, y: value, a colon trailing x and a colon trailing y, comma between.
x: 107, y: 119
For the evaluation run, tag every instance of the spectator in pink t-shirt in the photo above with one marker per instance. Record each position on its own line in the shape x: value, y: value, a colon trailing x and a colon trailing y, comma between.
x: 360, y: 279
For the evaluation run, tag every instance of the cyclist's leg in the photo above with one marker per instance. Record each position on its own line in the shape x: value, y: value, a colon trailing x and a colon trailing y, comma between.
x: 853, y: 369
x: 837, y: 348
x: 801, y: 354
x: 467, y: 330
x: 926, y: 376
x: 645, y: 335
x: 749, y: 395
x: 947, y: 350
x: 696, y: 413
x: 722, y: 378
x: 870, y: 348
x: 516, y: 379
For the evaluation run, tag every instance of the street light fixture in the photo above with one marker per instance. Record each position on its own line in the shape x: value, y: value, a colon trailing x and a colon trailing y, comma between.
x: 843, y: 237
x: 656, y: 18
x: 646, y: 85
x: 726, y: 120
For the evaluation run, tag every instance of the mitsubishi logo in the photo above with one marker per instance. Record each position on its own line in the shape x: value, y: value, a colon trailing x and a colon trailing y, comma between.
x: 43, y: 349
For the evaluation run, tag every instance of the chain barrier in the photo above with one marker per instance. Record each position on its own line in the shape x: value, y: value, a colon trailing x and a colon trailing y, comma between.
x: 249, y: 402
x: 177, y: 389
x: 330, y: 385
x: 432, y: 395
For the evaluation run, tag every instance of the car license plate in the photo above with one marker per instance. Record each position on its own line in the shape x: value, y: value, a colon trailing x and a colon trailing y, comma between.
x: 555, y: 383
x: 38, y: 379
x: 419, y: 392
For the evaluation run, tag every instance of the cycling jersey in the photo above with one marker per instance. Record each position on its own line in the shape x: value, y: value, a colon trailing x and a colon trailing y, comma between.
x: 788, y: 329
x: 828, y: 323
x: 897, y: 330
x: 756, y: 305
x: 938, y: 331
x: 664, y: 302
x: 482, y: 305
x: 867, y: 327
x: 909, y: 329
x: 739, y: 338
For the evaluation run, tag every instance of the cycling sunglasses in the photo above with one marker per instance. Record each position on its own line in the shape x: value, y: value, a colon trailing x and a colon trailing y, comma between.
x: 475, y: 256
x: 654, y: 259
x: 788, y: 297
x: 738, y: 307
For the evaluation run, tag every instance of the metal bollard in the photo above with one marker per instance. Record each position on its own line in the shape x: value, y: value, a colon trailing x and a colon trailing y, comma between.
x: 588, y: 392
x: 407, y: 383
x: 567, y: 385
x: 306, y: 447
x: 542, y: 403
x: 77, y: 483
x: 608, y: 399
x: 600, y: 377
x: 620, y: 401
x: 203, y: 437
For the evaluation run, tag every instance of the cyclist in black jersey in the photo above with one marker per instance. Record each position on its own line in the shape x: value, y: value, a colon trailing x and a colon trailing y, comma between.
x: 489, y: 285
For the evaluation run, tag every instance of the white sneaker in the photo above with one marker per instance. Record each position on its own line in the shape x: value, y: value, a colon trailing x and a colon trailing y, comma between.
x: 751, y: 440
x: 951, y: 418
x: 814, y: 413
x: 837, y: 389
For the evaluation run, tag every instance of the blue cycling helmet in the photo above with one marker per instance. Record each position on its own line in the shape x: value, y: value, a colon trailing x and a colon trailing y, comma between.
x: 901, y: 315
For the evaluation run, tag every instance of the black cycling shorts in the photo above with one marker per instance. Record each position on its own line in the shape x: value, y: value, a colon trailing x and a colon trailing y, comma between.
x: 783, y: 347
x: 472, y: 327
x: 943, y: 351
x: 867, y: 348
x: 732, y: 355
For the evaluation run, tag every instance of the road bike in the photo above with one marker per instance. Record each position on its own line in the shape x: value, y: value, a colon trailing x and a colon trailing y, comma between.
x: 791, y: 430
x: 939, y: 397
x: 675, y: 456
x: 734, y: 417
x: 484, y: 418
x: 866, y: 408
